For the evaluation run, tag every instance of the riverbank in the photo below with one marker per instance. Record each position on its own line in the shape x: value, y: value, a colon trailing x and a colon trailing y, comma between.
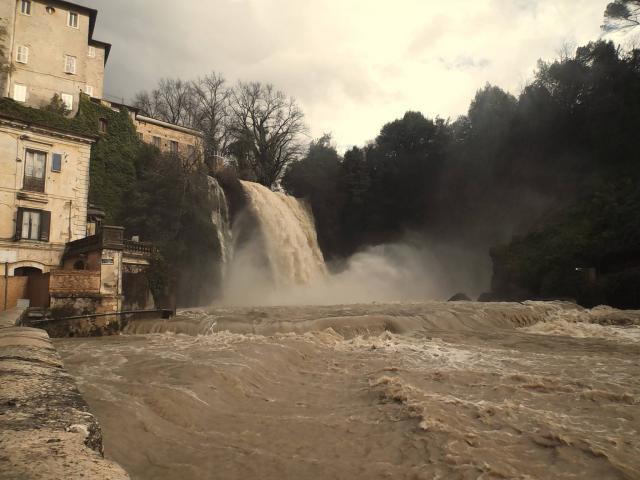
x: 46, y: 429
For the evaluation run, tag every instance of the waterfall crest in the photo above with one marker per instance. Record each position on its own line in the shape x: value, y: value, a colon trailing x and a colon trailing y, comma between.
x: 289, y: 234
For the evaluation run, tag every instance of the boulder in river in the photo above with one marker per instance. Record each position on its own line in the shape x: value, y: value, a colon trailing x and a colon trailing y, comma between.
x: 459, y: 297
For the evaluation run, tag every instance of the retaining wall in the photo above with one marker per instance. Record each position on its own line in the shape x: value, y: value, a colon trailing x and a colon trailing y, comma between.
x: 46, y: 429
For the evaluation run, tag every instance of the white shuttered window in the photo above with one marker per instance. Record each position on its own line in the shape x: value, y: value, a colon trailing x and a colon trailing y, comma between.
x: 72, y: 19
x: 34, y: 165
x: 68, y: 101
x: 22, y: 54
x: 31, y: 225
x: 70, y: 64
x: 19, y: 92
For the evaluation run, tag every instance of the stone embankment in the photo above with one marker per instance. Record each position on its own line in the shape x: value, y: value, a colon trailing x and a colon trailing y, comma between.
x: 46, y: 429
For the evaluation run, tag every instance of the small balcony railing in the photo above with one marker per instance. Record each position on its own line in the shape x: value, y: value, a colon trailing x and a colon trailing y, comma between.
x: 139, y: 248
x: 33, y: 184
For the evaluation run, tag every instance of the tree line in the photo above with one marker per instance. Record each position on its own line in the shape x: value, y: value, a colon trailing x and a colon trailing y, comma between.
x: 549, y: 177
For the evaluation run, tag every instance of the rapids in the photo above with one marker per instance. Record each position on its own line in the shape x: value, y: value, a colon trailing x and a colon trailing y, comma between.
x: 399, y: 390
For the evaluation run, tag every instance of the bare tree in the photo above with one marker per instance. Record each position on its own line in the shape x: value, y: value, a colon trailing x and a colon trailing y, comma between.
x: 267, y: 127
x: 211, y: 98
x: 621, y: 14
x: 148, y: 103
x: 172, y: 102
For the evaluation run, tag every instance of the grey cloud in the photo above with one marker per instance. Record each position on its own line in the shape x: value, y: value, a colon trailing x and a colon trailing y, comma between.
x: 352, y: 64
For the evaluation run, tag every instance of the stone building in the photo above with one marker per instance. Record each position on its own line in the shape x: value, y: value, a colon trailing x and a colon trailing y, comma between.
x: 169, y: 138
x: 51, y: 50
x: 48, y: 233
x: 44, y: 183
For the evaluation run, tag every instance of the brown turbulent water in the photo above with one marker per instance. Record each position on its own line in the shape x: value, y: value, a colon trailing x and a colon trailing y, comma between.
x: 416, y: 391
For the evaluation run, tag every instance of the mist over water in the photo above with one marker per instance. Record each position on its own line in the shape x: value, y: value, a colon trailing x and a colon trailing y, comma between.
x: 281, y: 263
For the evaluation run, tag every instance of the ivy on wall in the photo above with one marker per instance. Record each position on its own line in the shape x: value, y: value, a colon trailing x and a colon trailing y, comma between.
x: 36, y: 116
x: 113, y: 156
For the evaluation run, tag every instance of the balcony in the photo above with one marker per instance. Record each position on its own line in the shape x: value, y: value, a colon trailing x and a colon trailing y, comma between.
x: 110, y: 238
x: 33, y: 184
x: 138, y: 249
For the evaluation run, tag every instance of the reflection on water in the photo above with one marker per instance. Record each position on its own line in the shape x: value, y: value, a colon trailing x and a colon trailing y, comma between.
x: 414, y: 391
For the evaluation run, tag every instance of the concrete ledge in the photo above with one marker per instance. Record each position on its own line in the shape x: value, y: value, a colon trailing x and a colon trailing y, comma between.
x: 46, y: 429
x: 10, y: 318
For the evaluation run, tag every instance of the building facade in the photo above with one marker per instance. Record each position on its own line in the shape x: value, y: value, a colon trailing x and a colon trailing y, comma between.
x: 169, y: 138
x: 44, y: 184
x: 51, y: 50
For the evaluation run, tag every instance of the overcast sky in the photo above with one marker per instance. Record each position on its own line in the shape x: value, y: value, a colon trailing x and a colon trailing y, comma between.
x: 353, y: 65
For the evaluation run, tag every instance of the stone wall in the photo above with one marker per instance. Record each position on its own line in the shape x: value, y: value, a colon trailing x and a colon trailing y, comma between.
x: 46, y: 429
x: 77, y: 282
x: 189, y: 142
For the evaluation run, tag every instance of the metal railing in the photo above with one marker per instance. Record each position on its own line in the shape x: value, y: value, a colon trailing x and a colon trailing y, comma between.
x: 138, y: 248
x: 162, y: 312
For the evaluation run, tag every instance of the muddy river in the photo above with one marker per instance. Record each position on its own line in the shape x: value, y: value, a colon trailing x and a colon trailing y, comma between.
x: 415, y: 391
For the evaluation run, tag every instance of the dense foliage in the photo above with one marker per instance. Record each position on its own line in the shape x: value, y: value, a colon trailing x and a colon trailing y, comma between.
x: 559, y: 161
x: 41, y: 117
x: 169, y: 204
x: 113, y: 157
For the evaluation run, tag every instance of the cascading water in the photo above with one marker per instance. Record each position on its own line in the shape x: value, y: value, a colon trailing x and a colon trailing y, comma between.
x: 289, y: 234
x: 220, y: 218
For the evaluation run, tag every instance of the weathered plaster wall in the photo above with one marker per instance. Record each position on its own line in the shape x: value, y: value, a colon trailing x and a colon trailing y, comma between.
x: 111, y: 272
x: 7, y: 12
x: 49, y: 39
x: 65, y: 194
x: 91, y: 261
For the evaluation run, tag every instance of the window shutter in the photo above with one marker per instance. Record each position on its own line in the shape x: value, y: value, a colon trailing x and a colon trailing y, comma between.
x: 45, y: 224
x: 19, y: 93
x: 70, y: 64
x: 56, y: 162
x: 67, y: 100
x: 19, y: 224
x: 22, y: 55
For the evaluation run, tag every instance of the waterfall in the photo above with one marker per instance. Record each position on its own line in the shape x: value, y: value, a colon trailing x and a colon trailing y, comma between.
x: 220, y: 218
x: 289, y: 236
